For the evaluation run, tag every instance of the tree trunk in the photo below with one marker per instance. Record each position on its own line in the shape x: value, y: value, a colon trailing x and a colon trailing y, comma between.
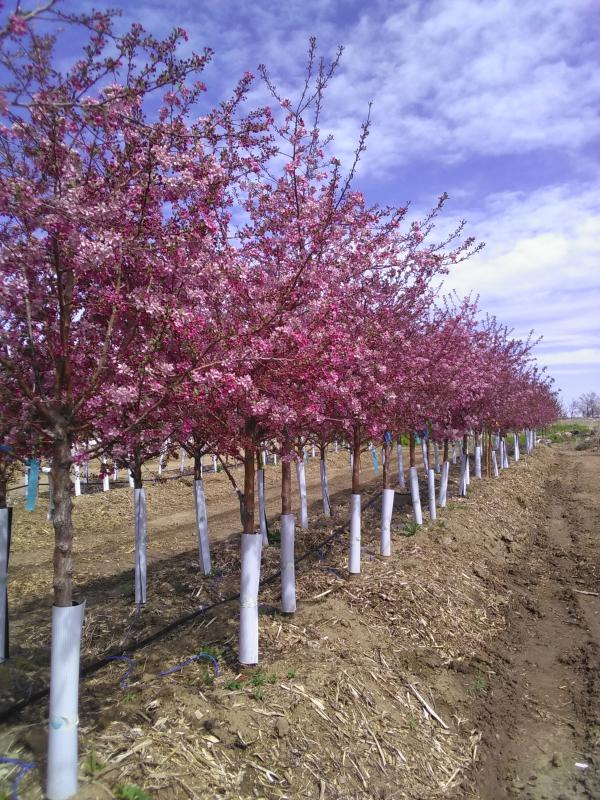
x: 198, y: 464
x: 249, y: 490
x: 62, y: 521
x: 356, y: 461
x: 3, y: 487
x: 387, y: 473
x: 411, y: 450
x: 136, y: 472
x: 286, y: 486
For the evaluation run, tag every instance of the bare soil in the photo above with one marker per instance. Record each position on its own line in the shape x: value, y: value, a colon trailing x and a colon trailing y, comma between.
x: 465, y: 665
x: 542, y: 719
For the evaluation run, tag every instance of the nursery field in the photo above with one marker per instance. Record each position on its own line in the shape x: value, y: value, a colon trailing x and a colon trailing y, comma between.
x: 465, y: 665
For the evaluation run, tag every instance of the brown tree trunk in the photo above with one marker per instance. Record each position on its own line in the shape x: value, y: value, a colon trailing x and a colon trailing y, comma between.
x: 249, y: 490
x: 3, y: 487
x: 465, y: 443
x: 411, y: 449
x: 286, y: 486
x: 445, y: 456
x: 136, y: 472
x: 356, y: 461
x: 198, y: 464
x: 387, y: 472
x: 62, y: 521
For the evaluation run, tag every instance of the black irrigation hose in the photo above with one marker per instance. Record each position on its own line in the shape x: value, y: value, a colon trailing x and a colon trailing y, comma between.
x: 95, y: 666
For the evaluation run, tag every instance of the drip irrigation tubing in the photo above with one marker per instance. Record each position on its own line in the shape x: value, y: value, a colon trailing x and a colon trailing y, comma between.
x: 114, y: 655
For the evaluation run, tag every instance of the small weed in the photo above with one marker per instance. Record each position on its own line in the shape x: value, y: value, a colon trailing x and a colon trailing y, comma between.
x: 412, y: 722
x: 291, y: 673
x: 233, y: 686
x: 480, y: 685
x: 271, y: 678
x: 129, y: 697
x: 207, y: 676
x: 213, y: 650
x: 275, y: 537
x: 258, y: 694
x: 258, y: 679
x: 92, y: 765
x: 129, y: 791
x: 410, y: 528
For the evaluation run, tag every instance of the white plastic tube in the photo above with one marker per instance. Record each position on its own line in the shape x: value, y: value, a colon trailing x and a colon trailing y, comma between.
x: 160, y: 464
x: 131, y: 481
x: 504, y: 454
x: 26, y: 482
x: 443, y: 492
x: 436, y: 457
x: 214, y: 463
x: 139, y: 510
x: 400, y: 459
x: 63, y: 767
x: 249, y: 580
x: 387, y: 509
x: 467, y: 469
x: 454, y: 452
x: 495, y: 464
x: 312, y: 451
x: 478, y: 461
x: 517, y: 449
x: 431, y: 489
x: 301, y: 475
x: 202, y: 527
x: 77, y: 472
x: 415, y: 496
x: 262, y: 514
x: 425, y: 459
x: 115, y: 474
x: 182, y: 462
x: 288, y: 569
x: 354, y: 557
x: 325, y: 488
x: 5, y: 531
x: 462, y: 486
x: 105, y: 479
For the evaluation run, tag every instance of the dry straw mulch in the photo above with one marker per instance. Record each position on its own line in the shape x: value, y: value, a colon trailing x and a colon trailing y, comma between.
x: 365, y: 692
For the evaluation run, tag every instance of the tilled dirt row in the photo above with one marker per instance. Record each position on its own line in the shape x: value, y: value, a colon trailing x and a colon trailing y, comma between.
x: 542, y: 716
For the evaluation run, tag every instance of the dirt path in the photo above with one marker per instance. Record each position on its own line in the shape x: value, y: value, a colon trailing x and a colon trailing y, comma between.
x: 542, y: 716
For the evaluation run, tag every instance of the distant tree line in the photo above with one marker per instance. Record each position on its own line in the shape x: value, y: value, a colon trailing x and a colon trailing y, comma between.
x: 586, y: 405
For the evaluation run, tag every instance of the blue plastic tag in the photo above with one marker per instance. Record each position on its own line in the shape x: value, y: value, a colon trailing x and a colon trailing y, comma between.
x: 32, y: 485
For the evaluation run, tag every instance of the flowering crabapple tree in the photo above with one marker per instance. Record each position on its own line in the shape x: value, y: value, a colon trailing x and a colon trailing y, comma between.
x: 87, y: 248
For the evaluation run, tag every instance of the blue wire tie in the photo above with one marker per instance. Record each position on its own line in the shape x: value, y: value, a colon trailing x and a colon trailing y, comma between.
x: 124, y: 682
x: 24, y: 768
x: 197, y: 657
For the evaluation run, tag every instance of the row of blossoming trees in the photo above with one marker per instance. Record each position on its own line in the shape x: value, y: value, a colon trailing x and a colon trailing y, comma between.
x: 211, y: 278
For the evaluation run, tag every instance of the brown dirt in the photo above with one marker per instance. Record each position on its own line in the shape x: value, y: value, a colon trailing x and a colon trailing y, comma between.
x: 475, y: 617
x: 542, y: 718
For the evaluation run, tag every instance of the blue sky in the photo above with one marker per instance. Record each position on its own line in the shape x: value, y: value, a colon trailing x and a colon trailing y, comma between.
x: 495, y: 101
